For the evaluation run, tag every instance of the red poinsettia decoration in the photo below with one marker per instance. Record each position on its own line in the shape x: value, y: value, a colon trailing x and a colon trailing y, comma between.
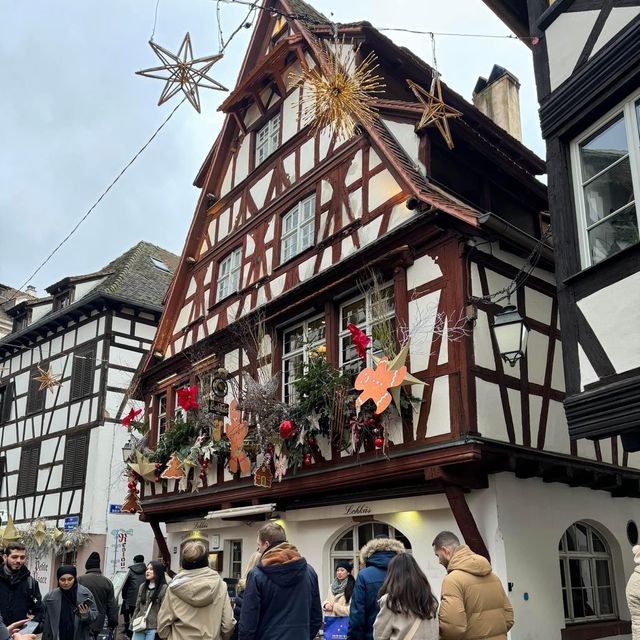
x: 360, y: 339
x: 286, y: 429
x: 130, y: 417
x: 188, y: 397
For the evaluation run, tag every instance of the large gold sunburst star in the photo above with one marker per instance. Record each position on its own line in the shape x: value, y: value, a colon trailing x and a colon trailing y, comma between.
x: 435, y: 110
x: 47, y: 379
x: 182, y: 72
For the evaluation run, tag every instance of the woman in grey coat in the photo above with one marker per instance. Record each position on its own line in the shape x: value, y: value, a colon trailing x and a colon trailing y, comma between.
x: 69, y: 610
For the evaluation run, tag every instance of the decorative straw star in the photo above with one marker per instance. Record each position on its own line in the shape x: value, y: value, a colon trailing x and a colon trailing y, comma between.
x: 47, y: 379
x: 337, y: 93
x: 183, y: 72
x: 435, y: 110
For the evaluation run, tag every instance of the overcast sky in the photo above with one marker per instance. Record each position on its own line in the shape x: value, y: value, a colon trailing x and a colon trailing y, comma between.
x: 72, y: 114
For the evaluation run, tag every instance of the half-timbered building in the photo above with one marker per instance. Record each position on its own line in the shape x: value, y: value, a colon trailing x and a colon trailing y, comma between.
x: 291, y: 226
x: 61, y: 449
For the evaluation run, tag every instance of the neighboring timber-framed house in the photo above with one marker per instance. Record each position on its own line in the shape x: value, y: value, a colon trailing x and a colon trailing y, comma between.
x: 297, y: 235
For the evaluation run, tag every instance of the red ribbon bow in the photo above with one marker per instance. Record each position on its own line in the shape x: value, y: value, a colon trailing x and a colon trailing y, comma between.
x: 130, y: 417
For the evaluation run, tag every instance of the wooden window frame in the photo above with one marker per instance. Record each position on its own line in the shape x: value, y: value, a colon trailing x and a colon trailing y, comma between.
x: 269, y: 142
x: 7, y: 392
x: 83, y: 372
x: 63, y: 299
x: 22, y: 321
x: 75, y: 460
x: 626, y: 110
x: 34, y: 394
x: 232, y: 562
x: 28, y: 470
x: 234, y: 271
x: 297, y: 228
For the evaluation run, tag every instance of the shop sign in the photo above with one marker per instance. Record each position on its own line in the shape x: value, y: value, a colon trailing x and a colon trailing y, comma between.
x: 359, y: 509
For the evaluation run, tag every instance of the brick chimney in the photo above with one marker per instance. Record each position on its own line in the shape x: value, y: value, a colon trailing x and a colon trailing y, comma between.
x: 498, y: 97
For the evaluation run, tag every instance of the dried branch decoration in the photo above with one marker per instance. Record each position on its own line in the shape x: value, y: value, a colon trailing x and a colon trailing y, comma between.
x: 337, y: 93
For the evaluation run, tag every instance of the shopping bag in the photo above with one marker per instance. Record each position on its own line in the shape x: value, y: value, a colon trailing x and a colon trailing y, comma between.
x: 335, y: 628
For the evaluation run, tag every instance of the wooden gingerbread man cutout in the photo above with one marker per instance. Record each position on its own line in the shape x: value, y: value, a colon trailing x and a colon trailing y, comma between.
x: 237, y: 430
x: 375, y: 383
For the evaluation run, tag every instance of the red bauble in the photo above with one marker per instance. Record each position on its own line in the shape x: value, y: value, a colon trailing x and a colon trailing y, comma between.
x: 286, y: 429
x: 307, y: 459
x: 371, y: 422
x: 312, y: 442
x: 378, y: 442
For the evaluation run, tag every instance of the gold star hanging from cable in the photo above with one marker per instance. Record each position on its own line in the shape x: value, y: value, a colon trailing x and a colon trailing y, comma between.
x: 47, y: 379
x: 435, y: 110
x: 183, y: 72
x: 337, y: 93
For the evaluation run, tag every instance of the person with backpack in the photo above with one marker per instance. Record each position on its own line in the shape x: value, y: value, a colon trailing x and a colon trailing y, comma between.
x: 130, y: 589
x: 150, y: 596
x: 408, y: 608
x: 19, y: 591
x: 102, y: 589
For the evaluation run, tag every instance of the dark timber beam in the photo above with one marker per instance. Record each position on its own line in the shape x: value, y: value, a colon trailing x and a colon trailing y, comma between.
x: 161, y: 542
x: 465, y: 520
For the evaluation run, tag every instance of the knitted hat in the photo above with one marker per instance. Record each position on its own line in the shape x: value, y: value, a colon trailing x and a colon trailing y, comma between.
x: 66, y: 569
x: 93, y: 561
x: 346, y: 565
x: 636, y: 553
x: 138, y: 558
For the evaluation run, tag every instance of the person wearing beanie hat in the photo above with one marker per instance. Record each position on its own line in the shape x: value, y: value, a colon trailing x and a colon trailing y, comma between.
x: 338, y: 599
x: 633, y: 594
x: 196, y: 605
x: 102, y: 589
x: 69, y: 610
x: 130, y: 589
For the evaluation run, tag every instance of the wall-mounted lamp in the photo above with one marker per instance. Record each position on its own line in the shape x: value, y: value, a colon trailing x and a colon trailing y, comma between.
x: 511, y: 334
x: 127, y: 451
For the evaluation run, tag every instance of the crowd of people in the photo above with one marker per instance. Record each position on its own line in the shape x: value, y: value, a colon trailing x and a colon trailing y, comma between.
x: 278, y: 597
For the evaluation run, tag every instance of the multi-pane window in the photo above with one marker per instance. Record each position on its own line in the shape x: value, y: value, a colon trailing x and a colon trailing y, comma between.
x: 348, y: 545
x: 267, y: 139
x: 229, y: 274
x: 587, y: 575
x: 36, y: 395
x: 298, y: 228
x: 82, y: 372
x: 606, y: 164
x: 372, y: 313
x: 63, y: 300
x: 299, y: 343
x: 235, y: 565
x: 75, y: 460
x: 162, y: 413
x: 28, y: 472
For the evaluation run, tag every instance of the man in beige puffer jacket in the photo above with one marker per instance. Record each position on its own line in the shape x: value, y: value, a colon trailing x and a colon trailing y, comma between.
x: 473, y: 604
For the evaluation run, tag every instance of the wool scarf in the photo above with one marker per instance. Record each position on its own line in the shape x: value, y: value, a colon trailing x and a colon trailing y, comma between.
x: 338, y: 586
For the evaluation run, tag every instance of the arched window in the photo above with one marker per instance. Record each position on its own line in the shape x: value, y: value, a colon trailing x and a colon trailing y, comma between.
x: 586, y: 571
x: 348, y: 545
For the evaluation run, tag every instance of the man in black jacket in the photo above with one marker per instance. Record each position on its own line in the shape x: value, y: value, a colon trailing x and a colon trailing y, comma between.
x: 102, y: 589
x: 130, y: 589
x: 281, y: 599
x: 19, y: 591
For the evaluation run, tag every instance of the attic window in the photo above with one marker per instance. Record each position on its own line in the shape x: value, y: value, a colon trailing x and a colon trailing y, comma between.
x: 22, y: 321
x: 159, y: 264
x: 62, y: 300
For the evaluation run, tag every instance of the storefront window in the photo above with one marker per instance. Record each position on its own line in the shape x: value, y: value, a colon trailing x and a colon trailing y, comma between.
x: 348, y: 545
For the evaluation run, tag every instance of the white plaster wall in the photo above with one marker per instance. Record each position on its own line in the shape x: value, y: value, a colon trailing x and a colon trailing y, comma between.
x: 83, y: 288
x: 621, y: 300
x: 618, y: 18
x: 242, y: 163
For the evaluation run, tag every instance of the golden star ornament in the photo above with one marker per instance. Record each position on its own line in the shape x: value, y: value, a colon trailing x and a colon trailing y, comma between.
x: 143, y: 467
x: 47, y: 379
x: 183, y: 72
x: 435, y: 110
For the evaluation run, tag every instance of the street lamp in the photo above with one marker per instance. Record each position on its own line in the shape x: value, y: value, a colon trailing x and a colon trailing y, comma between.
x: 127, y: 451
x: 511, y: 334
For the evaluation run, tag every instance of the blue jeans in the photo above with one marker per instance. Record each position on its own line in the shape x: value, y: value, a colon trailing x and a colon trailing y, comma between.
x: 149, y: 634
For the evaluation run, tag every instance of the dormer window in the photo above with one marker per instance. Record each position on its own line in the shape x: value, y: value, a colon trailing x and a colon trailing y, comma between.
x: 22, y: 321
x: 267, y: 139
x: 62, y: 300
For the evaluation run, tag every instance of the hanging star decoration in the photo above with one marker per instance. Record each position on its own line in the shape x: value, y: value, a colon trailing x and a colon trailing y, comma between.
x: 47, y: 379
x: 383, y: 384
x: 143, y: 467
x: 435, y: 110
x: 183, y: 72
x: 337, y: 93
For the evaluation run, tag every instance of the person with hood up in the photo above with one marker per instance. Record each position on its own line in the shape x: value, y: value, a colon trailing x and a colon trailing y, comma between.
x: 196, y: 604
x: 473, y: 603
x: 633, y: 594
x: 375, y: 557
x: 130, y: 589
x: 281, y: 599
x: 102, y: 589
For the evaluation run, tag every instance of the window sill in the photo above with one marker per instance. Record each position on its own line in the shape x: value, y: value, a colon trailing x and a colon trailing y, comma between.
x: 593, y: 630
x: 608, y: 263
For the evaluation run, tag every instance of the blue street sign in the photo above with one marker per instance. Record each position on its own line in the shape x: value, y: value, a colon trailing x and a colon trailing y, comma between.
x: 115, y: 508
x: 71, y: 523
